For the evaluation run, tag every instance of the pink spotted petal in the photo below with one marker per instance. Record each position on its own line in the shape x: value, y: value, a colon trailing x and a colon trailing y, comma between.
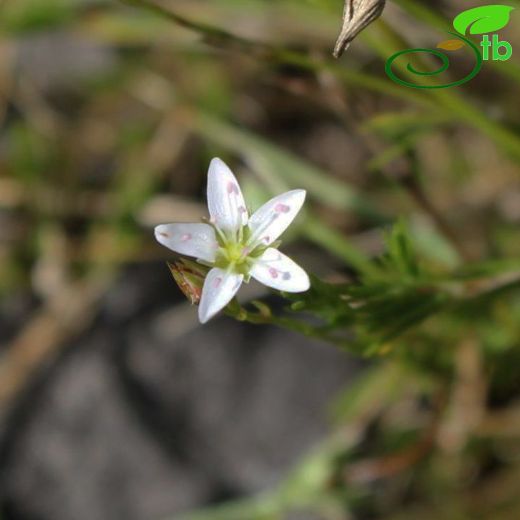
x: 218, y: 290
x: 196, y: 240
x: 273, y: 218
x: 278, y: 271
x: 225, y: 201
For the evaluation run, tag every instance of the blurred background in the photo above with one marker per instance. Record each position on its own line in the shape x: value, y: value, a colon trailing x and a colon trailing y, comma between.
x: 114, y: 402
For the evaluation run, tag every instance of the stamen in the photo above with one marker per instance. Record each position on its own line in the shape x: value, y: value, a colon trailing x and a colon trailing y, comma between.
x: 221, y: 234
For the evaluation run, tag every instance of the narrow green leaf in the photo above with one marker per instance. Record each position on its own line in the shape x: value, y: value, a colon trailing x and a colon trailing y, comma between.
x: 338, y: 245
x: 273, y: 164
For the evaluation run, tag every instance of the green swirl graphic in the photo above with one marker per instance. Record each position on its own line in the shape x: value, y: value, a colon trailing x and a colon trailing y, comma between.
x: 443, y: 67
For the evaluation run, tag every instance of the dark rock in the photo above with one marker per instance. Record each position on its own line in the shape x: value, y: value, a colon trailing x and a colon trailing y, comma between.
x: 149, y: 414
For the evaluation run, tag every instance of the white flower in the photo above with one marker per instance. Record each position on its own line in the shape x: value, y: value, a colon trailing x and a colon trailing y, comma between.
x: 235, y: 246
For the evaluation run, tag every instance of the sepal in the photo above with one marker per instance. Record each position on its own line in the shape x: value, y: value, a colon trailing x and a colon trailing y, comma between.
x: 189, y: 276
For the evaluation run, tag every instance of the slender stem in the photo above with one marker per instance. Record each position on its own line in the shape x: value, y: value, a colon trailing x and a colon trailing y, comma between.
x: 445, y: 99
x: 235, y: 310
x: 206, y: 29
x: 282, y: 55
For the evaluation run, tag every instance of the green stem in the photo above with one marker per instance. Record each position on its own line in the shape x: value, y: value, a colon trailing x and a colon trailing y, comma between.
x: 282, y: 55
x: 450, y: 102
x: 235, y: 310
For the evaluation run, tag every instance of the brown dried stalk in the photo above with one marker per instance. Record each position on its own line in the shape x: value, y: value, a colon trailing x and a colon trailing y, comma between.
x: 356, y: 16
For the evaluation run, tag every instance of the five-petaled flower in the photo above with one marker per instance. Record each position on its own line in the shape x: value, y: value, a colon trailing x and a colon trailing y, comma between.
x: 235, y: 246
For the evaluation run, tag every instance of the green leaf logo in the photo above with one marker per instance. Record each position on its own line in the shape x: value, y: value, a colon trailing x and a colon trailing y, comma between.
x: 482, y: 20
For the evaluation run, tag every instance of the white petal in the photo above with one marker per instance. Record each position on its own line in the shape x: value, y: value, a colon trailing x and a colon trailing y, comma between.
x: 278, y: 271
x: 272, y: 219
x: 218, y: 290
x: 197, y: 240
x: 225, y: 201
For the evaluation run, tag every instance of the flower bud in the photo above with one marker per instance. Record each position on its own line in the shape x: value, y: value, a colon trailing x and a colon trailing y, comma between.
x: 189, y: 276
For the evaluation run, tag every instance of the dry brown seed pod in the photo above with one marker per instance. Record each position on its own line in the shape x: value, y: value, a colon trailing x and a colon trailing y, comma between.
x: 356, y: 16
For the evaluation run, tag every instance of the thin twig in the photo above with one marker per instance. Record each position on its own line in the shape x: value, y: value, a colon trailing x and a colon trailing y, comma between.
x: 468, y: 398
x: 65, y: 314
x: 215, y: 34
x: 384, y: 467
x: 282, y: 55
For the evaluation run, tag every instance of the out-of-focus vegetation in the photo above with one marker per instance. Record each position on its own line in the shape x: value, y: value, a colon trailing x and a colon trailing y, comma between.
x: 110, y: 112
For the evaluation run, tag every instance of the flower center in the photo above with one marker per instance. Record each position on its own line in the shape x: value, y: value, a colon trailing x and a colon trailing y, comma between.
x: 237, y: 253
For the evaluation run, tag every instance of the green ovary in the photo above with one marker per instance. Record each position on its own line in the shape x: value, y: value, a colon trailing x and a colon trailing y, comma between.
x: 236, y: 255
x: 232, y: 256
